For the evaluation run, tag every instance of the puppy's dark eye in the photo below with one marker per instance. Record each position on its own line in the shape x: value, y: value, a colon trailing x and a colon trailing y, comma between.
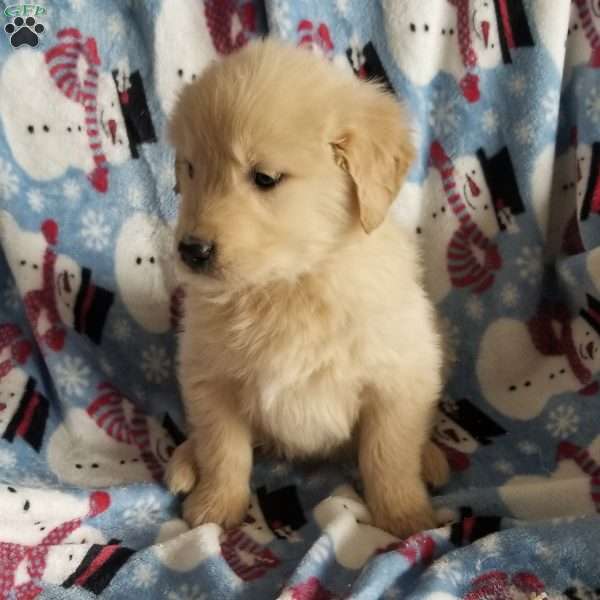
x: 264, y: 181
x: 190, y: 169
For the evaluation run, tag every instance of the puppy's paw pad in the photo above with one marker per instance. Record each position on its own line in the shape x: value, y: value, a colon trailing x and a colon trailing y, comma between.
x: 180, y: 475
x: 210, y: 503
x: 24, y: 31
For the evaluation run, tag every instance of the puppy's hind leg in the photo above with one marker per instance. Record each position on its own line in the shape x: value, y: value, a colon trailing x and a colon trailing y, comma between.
x: 181, y: 475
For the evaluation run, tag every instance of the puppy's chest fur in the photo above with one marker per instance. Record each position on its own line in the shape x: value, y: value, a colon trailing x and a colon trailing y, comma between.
x: 297, y: 361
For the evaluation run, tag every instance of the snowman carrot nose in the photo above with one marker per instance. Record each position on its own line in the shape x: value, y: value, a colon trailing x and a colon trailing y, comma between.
x: 473, y: 187
x: 112, y: 127
x: 485, y: 29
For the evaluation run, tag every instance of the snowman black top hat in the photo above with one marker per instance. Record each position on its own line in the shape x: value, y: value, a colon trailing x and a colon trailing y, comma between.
x: 472, y: 420
x: 591, y: 200
x: 367, y: 65
x: 29, y: 420
x: 281, y: 508
x: 91, y: 307
x: 99, y: 566
x: 136, y: 113
x: 592, y: 313
x: 513, y: 29
x: 500, y: 177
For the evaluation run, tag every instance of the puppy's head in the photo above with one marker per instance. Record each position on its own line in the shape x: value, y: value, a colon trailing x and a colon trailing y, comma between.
x: 281, y: 158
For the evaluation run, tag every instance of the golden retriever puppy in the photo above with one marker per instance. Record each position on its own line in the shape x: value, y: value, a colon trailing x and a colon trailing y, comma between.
x: 305, y: 318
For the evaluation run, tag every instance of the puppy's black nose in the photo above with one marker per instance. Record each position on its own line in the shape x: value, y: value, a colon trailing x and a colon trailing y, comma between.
x: 195, y: 252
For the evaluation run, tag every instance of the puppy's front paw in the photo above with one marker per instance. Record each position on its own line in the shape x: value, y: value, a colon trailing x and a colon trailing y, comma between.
x: 403, y: 510
x: 436, y: 471
x: 210, y: 502
x: 180, y: 475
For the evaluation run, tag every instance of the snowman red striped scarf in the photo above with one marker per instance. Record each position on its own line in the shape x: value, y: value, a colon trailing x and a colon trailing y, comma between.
x: 108, y: 410
x: 11, y: 338
x: 469, y: 84
x: 62, y: 61
x: 589, y: 29
x: 464, y: 266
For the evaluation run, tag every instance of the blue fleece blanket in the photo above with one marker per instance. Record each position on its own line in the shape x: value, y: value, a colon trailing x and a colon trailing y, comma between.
x: 505, y: 199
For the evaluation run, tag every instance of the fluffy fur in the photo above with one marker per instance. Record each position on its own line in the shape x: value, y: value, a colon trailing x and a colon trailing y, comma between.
x: 312, y: 324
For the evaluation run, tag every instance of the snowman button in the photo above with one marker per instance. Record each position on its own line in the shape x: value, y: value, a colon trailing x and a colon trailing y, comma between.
x: 46, y: 128
x: 527, y: 383
x: 562, y: 371
x: 78, y: 466
x: 551, y: 375
x: 412, y: 27
x: 512, y: 388
x: 30, y: 128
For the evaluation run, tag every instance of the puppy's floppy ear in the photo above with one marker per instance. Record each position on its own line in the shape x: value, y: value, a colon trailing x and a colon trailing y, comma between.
x: 374, y: 147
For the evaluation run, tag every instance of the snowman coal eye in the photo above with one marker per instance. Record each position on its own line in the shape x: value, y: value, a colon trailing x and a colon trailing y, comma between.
x: 180, y: 72
x: 473, y: 172
x: 138, y: 261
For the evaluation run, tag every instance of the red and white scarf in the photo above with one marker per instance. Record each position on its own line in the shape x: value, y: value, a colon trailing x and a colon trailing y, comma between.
x: 589, y: 29
x: 463, y: 265
x: 62, y: 62
x: 568, y: 450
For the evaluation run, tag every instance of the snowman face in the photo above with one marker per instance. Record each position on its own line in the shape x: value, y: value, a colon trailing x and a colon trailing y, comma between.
x: 67, y: 281
x: 418, y: 30
x: 38, y: 119
x: 25, y: 255
x: 30, y: 514
x: 63, y: 559
x: 180, y: 58
x: 12, y: 386
x: 484, y: 27
x: 450, y: 433
x: 113, y: 132
x: 587, y: 343
x: 82, y: 453
x: 141, y: 247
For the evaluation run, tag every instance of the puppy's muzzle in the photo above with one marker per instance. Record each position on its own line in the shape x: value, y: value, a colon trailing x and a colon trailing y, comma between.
x: 196, y: 253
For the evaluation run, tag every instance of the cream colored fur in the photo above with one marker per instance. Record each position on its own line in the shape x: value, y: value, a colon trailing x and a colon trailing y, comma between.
x: 313, y: 326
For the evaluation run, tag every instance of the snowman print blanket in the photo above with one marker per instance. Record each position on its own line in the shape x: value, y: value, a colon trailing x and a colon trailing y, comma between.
x: 504, y: 198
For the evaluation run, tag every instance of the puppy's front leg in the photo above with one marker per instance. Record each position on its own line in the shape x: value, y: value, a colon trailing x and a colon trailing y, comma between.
x: 220, y: 448
x: 393, y: 433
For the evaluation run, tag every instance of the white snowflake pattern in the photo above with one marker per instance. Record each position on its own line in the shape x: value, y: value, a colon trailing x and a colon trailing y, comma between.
x: 530, y: 263
x: 342, y: 6
x: 489, y: 543
x: 187, y: 591
x: 72, y: 375
x: 35, y: 199
x: 503, y: 466
x: 562, y: 421
x: 115, y: 26
x: 527, y: 447
x: 77, y: 5
x: 155, y: 364
x: 450, y: 570
x: 280, y: 17
x: 166, y: 176
x: 106, y: 367
x: 11, y: 297
x: 144, y: 576
x: 543, y: 550
x: 474, y: 308
x: 592, y: 105
x: 9, y: 182
x: 517, y: 85
x: 94, y: 230
x: 442, y: 113
x: 525, y: 132
x: 567, y: 275
x: 145, y: 512
x: 7, y: 458
x: 120, y: 330
x: 509, y: 295
x: 549, y: 106
x: 71, y: 190
x: 135, y: 197
x: 490, y: 121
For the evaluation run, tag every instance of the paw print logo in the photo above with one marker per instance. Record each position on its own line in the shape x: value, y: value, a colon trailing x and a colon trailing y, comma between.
x: 24, y: 31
